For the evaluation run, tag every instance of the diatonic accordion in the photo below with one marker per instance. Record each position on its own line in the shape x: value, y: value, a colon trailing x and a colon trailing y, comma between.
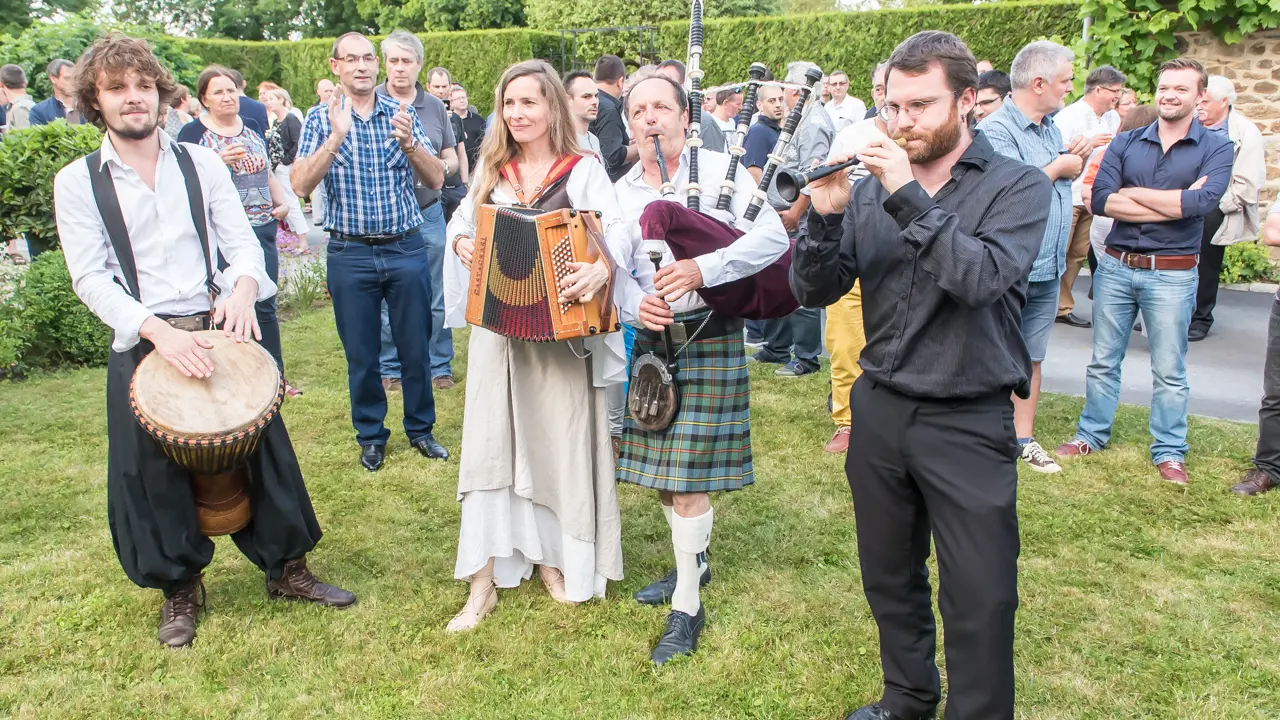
x: 520, y: 257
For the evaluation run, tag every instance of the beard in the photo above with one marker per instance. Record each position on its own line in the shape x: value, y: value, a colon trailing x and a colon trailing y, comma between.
x: 1174, y: 114
x: 936, y: 143
x: 135, y: 132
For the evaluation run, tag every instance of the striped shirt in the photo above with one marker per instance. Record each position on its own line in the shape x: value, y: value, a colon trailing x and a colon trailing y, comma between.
x: 370, y: 184
x: 1016, y: 137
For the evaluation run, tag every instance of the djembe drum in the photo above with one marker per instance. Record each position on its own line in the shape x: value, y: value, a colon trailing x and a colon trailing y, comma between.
x: 210, y: 425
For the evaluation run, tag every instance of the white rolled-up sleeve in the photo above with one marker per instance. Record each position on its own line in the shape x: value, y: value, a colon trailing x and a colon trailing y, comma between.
x: 456, y: 276
x: 85, y: 246
x: 763, y: 242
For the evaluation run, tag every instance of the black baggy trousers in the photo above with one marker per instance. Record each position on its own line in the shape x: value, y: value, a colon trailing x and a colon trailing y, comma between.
x: 941, y: 469
x: 151, y: 510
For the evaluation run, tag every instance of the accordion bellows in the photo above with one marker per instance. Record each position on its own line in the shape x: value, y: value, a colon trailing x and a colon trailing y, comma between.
x: 521, y: 255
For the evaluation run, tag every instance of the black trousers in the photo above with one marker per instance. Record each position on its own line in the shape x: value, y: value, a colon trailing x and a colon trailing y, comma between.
x: 1267, y: 456
x: 922, y: 468
x: 1210, y: 269
x: 152, y: 513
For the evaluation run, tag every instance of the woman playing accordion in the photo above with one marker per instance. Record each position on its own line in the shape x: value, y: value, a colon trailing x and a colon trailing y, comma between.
x: 536, y: 480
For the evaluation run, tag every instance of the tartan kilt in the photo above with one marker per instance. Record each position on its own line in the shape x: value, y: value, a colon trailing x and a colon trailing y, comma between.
x: 707, y: 447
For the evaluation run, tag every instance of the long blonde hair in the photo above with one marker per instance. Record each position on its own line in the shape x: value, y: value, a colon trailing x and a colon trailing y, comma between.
x: 499, y: 147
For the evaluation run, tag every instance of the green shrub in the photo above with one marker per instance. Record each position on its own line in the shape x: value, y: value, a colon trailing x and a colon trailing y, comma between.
x: 69, y: 37
x: 475, y: 57
x: 1247, y: 262
x: 856, y: 41
x: 44, y: 324
x: 560, y: 14
x: 29, y: 160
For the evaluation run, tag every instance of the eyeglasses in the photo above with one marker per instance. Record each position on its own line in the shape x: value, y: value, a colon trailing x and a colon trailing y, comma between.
x: 358, y: 59
x: 989, y: 101
x: 914, y: 109
x: 1113, y: 91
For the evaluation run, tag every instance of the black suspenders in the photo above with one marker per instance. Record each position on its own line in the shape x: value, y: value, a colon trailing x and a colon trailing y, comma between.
x: 104, y: 194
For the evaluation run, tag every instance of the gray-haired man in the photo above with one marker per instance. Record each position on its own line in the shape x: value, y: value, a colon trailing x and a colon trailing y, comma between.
x: 403, y: 54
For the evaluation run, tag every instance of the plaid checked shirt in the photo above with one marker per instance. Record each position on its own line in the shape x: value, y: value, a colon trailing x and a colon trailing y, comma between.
x: 370, y: 183
x: 1011, y: 134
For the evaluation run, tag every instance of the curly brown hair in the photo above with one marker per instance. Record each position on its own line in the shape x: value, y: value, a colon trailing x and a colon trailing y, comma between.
x: 114, y: 55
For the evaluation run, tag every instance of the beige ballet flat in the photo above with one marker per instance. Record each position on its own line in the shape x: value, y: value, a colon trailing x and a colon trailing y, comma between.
x: 482, y: 600
x: 554, y: 580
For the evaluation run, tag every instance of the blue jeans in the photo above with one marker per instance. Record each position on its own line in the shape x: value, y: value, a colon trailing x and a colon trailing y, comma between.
x: 800, y: 332
x: 1166, y: 299
x: 360, y: 278
x: 266, y: 309
x: 440, y: 347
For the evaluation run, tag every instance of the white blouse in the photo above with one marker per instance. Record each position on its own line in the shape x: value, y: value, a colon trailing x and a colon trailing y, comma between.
x: 589, y: 189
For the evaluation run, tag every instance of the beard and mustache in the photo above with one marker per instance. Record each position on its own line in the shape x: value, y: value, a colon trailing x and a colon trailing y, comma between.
x: 932, y: 144
x: 134, y: 132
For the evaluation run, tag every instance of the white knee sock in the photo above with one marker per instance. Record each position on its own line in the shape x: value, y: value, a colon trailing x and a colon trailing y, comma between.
x: 690, y: 538
x: 667, y: 512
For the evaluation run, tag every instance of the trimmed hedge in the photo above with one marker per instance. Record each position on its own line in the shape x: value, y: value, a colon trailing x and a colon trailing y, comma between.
x: 851, y: 41
x: 475, y: 57
x: 856, y: 41
x: 44, y: 324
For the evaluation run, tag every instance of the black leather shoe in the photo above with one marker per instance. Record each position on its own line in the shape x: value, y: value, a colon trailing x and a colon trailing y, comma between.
x: 1197, y: 333
x: 371, y: 457
x: 680, y: 637
x: 875, y: 712
x: 1073, y: 320
x: 429, y: 448
x: 659, y: 592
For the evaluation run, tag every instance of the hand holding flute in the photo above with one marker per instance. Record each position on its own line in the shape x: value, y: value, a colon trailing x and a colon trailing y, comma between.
x: 886, y: 159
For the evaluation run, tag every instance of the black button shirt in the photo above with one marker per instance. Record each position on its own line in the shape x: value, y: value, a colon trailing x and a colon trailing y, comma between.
x: 944, y: 278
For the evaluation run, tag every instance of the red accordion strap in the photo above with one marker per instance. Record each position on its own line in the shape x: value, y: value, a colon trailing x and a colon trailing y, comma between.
x: 562, y: 167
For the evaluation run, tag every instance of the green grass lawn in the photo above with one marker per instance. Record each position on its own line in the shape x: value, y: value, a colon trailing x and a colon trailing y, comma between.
x: 1139, y: 599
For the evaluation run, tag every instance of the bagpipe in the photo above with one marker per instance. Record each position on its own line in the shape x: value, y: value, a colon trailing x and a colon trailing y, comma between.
x: 690, y: 232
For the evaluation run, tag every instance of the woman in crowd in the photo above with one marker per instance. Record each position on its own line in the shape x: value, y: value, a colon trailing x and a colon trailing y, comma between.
x: 536, y: 480
x: 241, y: 146
x: 177, y: 115
x: 282, y: 146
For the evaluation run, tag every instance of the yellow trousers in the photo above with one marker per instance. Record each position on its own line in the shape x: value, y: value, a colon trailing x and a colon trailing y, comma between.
x: 845, y: 340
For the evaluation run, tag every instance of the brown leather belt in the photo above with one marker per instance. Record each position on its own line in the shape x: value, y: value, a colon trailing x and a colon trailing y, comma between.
x: 1155, y: 262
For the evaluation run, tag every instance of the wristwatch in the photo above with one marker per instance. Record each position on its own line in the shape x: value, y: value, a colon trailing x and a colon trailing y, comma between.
x: 412, y: 148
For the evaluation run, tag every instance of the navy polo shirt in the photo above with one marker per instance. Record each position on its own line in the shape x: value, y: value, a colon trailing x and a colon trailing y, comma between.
x: 1136, y: 159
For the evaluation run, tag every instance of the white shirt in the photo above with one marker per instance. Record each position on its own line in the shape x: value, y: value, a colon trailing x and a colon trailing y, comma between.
x: 1080, y: 120
x: 589, y: 189
x: 589, y: 142
x: 166, y: 247
x: 846, y: 113
x: 763, y: 243
x: 729, y: 125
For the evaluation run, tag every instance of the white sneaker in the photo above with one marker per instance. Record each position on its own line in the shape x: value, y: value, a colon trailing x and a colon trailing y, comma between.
x: 1038, y: 459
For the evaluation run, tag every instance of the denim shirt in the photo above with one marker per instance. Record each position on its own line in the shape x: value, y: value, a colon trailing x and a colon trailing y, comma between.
x: 1013, y: 135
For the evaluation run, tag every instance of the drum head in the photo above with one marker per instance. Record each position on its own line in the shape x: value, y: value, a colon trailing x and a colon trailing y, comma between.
x: 244, y: 387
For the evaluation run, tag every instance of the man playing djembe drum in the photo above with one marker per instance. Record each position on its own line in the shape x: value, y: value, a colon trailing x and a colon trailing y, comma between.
x: 137, y: 259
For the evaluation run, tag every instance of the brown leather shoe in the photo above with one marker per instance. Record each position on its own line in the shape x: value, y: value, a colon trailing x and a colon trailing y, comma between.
x: 1254, y: 482
x: 297, y: 583
x: 1173, y: 471
x: 178, y: 614
x: 839, y: 442
x: 444, y: 382
x: 390, y: 384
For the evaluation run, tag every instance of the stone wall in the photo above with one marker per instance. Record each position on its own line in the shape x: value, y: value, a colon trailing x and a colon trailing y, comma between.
x: 1253, y: 64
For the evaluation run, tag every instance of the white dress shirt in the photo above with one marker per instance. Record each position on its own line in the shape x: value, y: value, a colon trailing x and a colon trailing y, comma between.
x: 1080, y: 120
x: 589, y: 189
x: 763, y: 243
x: 844, y: 114
x: 590, y: 143
x: 166, y: 247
